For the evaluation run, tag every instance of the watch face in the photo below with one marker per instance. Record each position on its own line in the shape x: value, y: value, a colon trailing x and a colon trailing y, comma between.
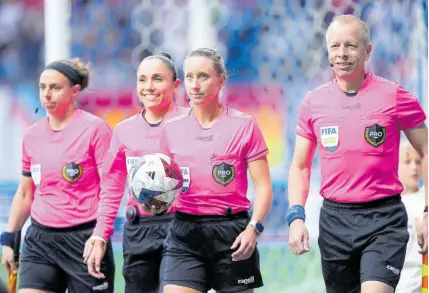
x: 259, y: 227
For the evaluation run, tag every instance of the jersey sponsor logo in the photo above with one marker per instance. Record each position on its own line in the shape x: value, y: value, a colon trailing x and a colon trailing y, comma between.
x: 223, y: 173
x: 375, y: 135
x: 130, y: 162
x: 329, y: 137
x: 352, y: 107
x: 186, y: 174
x: 36, y: 174
x: 72, y: 172
x: 205, y: 138
x: 249, y: 280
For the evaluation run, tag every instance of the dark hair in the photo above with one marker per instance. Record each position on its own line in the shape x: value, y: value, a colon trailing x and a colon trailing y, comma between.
x: 214, y: 55
x: 81, y: 69
x: 166, y: 58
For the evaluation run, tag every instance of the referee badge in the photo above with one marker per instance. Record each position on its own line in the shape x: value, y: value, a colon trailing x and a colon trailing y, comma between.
x: 375, y: 135
x: 223, y: 173
x: 72, y: 172
x: 329, y: 137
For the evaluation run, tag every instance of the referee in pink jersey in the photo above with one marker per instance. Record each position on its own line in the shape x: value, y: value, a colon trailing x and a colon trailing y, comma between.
x: 212, y: 240
x: 355, y: 122
x: 144, y: 233
x: 61, y: 159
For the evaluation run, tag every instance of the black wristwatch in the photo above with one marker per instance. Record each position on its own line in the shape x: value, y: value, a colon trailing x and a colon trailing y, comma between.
x: 259, y: 228
x: 426, y: 209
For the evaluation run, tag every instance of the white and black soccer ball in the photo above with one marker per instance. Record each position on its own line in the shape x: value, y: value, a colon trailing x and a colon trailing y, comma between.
x: 155, y: 180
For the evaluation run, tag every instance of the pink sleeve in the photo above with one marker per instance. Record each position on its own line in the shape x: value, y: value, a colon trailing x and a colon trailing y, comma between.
x: 255, y: 147
x: 26, y: 162
x: 163, y: 142
x: 113, y: 180
x: 100, y: 142
x: 304, y: 127
x: 409, y: 112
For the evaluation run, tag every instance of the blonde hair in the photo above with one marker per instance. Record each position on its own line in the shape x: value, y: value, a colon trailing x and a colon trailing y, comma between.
x: 405, y: 147
x: 348, y: 18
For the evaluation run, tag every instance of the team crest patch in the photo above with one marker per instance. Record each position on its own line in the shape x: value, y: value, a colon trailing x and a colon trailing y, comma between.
x: 186, y: 174
x: 329, y: 137
x: 223, y: 173
x: 375, y: 135
x: 72, y: 172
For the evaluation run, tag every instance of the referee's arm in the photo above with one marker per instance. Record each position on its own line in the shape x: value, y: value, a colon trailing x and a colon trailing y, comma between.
x: 21, y: 204
x: 300, y: 171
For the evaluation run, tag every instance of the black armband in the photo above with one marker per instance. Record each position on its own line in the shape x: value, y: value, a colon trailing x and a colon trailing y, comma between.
x: 26, y: 174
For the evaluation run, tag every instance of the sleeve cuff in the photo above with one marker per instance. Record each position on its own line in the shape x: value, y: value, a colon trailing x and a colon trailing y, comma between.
x: 98, y: 238
x: 101, y: 234
x: 26, y: 173
x: 257, y: 155
x: 415, y: 123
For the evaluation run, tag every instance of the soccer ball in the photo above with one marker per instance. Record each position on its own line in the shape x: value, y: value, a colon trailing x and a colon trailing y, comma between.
x: 155, y: 180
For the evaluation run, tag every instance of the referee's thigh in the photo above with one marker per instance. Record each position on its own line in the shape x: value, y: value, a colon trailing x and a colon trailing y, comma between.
x: 340, y: 266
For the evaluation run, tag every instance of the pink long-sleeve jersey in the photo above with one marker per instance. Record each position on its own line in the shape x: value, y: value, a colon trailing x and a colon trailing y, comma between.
x: 132, y: 138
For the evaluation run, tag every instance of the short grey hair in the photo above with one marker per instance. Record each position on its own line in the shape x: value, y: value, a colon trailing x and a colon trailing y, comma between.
x: 348, y: 18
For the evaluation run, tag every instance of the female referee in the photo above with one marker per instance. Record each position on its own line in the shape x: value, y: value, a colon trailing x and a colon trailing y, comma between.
x: 61, y: 159
x: 144, y: 233
x: 211, y: 242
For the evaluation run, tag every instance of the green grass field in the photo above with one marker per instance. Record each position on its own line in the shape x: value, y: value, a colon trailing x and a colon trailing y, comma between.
x: 282, y: 271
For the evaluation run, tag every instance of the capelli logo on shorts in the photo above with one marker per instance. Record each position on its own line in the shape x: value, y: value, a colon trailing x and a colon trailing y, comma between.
x: 247, y: 281
x: 394, y: 270
x: 101, y: 287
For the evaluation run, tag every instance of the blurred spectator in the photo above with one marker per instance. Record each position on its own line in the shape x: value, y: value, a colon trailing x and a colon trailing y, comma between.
x: 413, y: 197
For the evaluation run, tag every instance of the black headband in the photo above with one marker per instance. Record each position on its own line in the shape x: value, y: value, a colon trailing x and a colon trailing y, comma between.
x: 69, y: 71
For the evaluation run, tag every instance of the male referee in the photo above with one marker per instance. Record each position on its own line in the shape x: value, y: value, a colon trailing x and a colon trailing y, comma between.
x: 355, y: 121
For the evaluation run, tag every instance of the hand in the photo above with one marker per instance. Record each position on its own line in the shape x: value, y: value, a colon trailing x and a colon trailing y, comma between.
x: 422, y: 233
x: 246, y: 243
x: 8, y: 260
x: 93, y: 260
x: 298, y: 237
x: 154, y: 210
x: 89, y: 245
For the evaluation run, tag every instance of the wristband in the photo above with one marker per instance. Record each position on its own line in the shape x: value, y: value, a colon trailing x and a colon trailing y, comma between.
x: 295, y: 212
x: 8, y: 239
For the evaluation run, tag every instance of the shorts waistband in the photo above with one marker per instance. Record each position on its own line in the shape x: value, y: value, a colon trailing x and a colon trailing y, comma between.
x: 80, y: 227
x: 134, y: 217
x: 394, y: 199
x: 211, y: 218
x: 156, y: 219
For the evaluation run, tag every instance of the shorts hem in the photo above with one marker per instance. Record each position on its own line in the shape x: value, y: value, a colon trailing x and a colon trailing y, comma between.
x: 36, y: 287
x: 190, y: 285
x: 379, y: 279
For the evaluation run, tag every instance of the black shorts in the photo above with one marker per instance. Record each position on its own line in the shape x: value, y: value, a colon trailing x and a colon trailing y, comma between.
x: 52, y: 261
x: 198, y: 254
x: 362, y: 242
x: 143, y: 253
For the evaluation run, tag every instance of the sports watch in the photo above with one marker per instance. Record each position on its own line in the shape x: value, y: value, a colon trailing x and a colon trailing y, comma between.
x: 259, y: 228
